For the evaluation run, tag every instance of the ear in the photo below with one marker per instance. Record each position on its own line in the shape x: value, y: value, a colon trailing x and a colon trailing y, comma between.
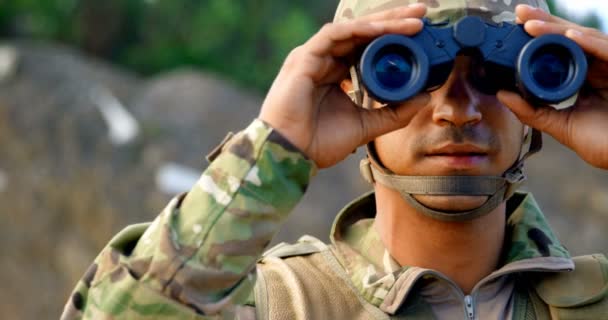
x: 346, y: 85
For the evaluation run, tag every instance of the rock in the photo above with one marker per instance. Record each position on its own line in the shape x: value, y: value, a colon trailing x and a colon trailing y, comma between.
x: 53, y: 138
x: 188, y: 113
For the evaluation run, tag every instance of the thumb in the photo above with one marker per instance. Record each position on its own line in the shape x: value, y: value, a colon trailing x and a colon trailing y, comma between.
x: 543, y: 118
x: 384, y: 120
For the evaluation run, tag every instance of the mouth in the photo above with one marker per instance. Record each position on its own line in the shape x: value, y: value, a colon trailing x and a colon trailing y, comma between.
x: 459, y: 156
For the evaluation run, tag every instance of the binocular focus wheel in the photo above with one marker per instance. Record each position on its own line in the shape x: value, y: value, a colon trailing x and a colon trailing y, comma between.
x: 551, y: 69
x: 394, y: 68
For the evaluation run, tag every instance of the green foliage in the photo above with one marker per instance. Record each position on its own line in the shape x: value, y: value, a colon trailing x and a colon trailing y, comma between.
x: 245, y: 40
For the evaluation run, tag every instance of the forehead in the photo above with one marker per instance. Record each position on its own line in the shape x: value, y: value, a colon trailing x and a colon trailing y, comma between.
x: 439, y: 10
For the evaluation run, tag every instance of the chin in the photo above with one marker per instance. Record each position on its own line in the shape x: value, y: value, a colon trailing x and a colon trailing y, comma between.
x: 452, y: 203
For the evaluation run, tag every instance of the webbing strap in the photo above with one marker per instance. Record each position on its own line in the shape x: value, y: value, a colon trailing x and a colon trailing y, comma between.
x: 492, y: 203
x: 440, y: 185
x: 497, y: 188
x: 536, y: 144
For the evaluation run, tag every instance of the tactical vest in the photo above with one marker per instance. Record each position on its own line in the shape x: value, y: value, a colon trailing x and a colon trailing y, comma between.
x: 306, y: 281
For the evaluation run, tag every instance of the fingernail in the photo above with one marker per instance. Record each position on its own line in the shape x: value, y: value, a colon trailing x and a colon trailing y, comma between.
x: 572, y: 33
x: 536, y: 22
x: 378, y: 25
x: 416, y: 5
x: 529, y: 7
x: 412, y: 20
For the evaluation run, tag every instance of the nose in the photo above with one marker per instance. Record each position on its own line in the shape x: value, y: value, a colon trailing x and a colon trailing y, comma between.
x: 456, y: 102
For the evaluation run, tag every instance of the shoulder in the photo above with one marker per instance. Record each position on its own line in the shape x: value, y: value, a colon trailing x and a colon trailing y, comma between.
x: 306, y: 278
x: 582, y: 292
x: 306, y: 245
x: 305, y: 262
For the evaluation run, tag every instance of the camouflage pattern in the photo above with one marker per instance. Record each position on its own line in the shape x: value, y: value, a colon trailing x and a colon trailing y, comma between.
x: 439, y: 10
x: 197, y: 258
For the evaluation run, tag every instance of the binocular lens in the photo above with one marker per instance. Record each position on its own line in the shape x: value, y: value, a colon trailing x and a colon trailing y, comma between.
x: 393, y: 70
x: 550, y: 68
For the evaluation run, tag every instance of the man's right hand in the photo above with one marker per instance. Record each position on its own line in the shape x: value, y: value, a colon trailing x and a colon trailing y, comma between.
x: 306, y: 104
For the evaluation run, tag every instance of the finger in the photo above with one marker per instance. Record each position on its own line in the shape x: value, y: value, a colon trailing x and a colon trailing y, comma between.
x: 591, y: 40
x: 377, y: 122
x: 406, y: 27
x: 402, y: 20
x: 543, y: 118
x: 596, y: 46
x: 525, y: 13
x: 334, y: 74
x: 346, y: 36
x: 597, y: 79
x: 540, y: 27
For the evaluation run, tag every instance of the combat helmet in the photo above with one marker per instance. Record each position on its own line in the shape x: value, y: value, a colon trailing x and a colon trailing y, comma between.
x: 497, y: 188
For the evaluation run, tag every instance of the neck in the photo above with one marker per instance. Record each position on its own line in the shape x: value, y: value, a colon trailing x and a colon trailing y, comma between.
x: 466, y: 252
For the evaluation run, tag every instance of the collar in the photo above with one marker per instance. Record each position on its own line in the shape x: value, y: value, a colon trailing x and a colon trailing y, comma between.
x: 530, y: 246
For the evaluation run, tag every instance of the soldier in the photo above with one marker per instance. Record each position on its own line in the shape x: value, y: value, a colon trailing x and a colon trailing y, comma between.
x: 395, y: 254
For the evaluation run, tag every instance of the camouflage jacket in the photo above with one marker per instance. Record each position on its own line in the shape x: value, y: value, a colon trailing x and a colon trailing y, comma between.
x: 197, y: 260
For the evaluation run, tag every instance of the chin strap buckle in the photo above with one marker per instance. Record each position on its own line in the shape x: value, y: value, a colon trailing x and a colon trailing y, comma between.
x: 365, y: 167
x: 515, y: 177
x: 356, y: 94
x: 516, y: 174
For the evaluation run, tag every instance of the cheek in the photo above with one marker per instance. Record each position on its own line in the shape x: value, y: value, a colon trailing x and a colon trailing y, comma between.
x: 392, y: 149
x: 398, y: 150
x: 511, y: 135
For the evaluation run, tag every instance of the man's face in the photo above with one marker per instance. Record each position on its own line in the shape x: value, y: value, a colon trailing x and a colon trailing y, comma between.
x: 459, y: 132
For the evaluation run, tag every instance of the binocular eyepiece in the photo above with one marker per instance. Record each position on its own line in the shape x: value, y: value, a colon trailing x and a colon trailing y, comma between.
x: 548, y: 69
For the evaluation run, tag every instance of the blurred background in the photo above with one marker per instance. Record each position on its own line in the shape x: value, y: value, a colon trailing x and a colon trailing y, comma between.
x: 107, y: 109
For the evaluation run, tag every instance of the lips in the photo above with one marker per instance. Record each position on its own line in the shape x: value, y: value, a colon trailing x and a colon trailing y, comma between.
x: 458, y: 150
x: 460, y: 156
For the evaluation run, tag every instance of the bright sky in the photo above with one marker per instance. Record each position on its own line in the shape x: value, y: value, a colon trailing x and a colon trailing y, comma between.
x: 580, y: 7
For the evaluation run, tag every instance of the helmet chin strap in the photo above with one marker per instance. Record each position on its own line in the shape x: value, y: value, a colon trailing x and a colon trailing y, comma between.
x: 497, y: 188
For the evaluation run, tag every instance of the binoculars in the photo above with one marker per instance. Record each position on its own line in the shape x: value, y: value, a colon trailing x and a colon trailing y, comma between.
x: 548, y: 69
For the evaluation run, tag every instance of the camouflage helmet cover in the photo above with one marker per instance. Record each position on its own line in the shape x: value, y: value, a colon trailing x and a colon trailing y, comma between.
x: 440, y: 10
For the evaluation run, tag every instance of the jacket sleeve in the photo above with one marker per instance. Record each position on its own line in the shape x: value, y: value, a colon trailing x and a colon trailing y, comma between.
x: 197, y: 259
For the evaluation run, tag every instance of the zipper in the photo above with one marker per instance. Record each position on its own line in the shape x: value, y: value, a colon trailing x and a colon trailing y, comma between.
x: 467, y: 299
x: 469, y: 307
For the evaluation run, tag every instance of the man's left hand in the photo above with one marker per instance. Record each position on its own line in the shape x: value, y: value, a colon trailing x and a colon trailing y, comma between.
x: 584, y: 126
